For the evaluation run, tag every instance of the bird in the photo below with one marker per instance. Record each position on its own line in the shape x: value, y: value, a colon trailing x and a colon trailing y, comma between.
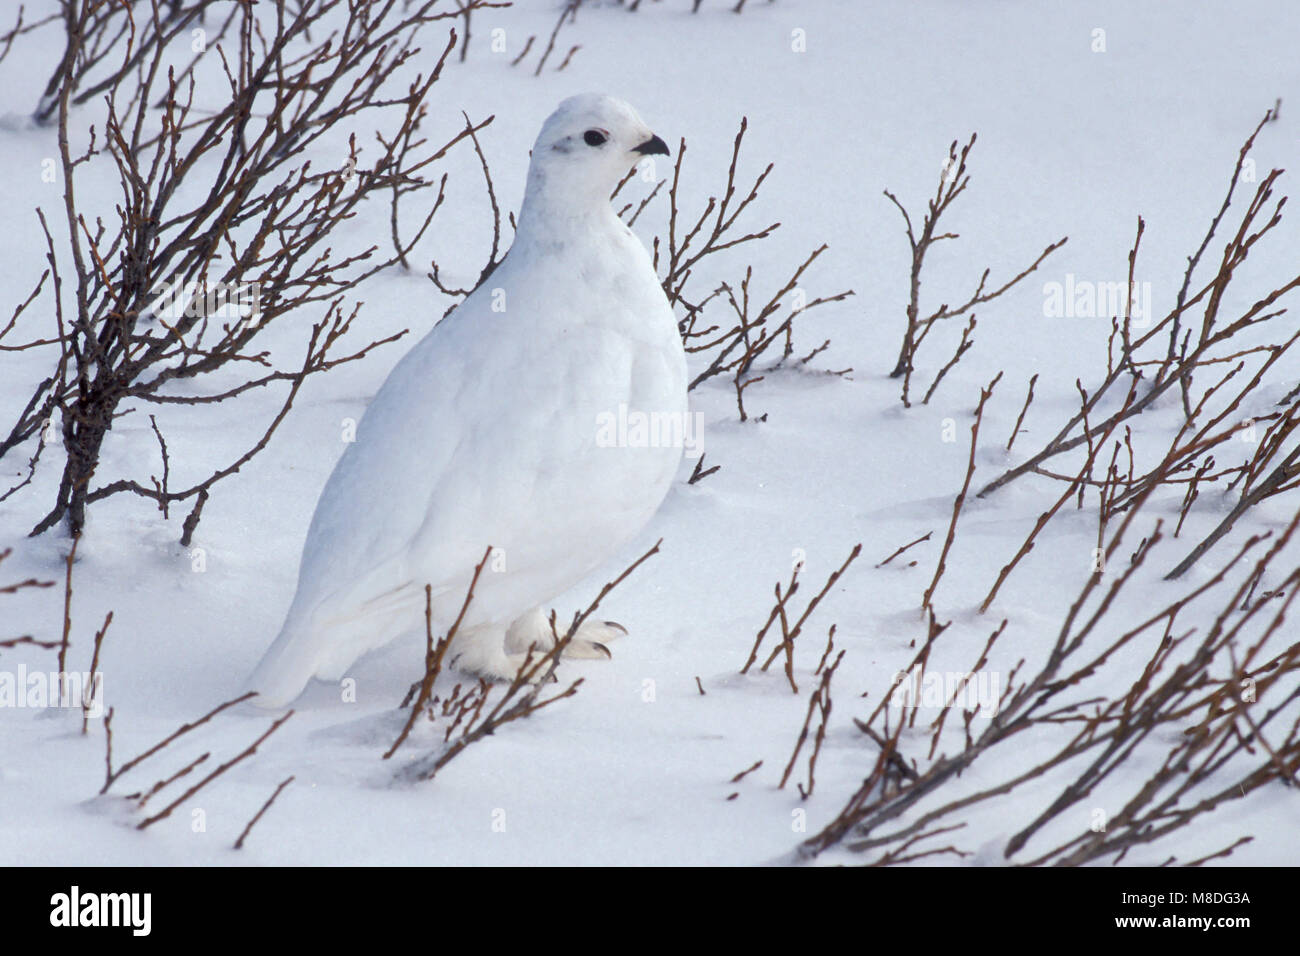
x: 491, y: 431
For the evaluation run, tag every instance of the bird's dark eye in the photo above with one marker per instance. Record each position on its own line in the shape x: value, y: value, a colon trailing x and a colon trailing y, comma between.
x: 594, y: 137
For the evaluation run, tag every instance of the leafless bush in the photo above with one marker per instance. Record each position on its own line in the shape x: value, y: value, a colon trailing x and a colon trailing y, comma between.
x: 780, y: 615
x: 819, y: 701
x: 1283, y: 474
x: 434, y: 653
x: 952, y: 182
x: 87, y: 700
x: 1223, y: 351
x: 141, y: 798
x: 568, y: 15
x: 1214, y: 709
x: 216, y: 215
x: 1208, y: 708
x: 494, y: 255
x: 244, y: 754
x: 699, y: 473
x: 94, y: 62
x: 466, y: 714
x: 755, y: 323
x: 1024, y: 410
x: 111, y: 775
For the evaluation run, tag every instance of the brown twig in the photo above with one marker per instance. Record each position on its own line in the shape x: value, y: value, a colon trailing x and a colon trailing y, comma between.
x: 910, y: 544
x: 434, y: 653
x: 520, y: 698
x: 1029, y: 398
x: 952, y: 183
x: 112, y: 775
x: 251, y: 749
x: 86, y: 693
x: 239, y: 844
x: 820, y: 701
x: 985, y: 394
x: 790, y: 633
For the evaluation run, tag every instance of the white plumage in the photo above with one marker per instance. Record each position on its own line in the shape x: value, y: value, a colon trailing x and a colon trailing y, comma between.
x: 486, y: 433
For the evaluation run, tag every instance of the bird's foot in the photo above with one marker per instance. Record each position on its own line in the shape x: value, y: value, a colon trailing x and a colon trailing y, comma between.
x: 534, y: 629
x: 591, y: 639
x: 526, y: 642
x: 588, y: 643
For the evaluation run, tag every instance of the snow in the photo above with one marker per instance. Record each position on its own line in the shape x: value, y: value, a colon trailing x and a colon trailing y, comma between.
x: 636, y: 767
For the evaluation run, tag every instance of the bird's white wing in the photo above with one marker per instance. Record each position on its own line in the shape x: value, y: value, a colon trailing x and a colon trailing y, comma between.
x: 354, y: 581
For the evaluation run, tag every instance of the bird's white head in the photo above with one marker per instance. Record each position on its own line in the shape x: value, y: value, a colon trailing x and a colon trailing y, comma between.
x: 585, y: 147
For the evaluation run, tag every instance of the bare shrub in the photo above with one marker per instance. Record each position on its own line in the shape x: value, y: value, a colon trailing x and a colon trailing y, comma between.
x: 756, y: 323
x: 215, y: 207
x: 1211, y: 712
x: 1175, y: 351
x: 952, y: 183
x: 781, y: 614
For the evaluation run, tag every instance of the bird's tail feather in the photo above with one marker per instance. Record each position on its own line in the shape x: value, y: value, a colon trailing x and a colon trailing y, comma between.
x: 322, y: 645
x: 284, y: 670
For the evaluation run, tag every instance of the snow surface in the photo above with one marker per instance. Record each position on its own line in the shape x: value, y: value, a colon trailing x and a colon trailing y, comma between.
x: 1070, y: 142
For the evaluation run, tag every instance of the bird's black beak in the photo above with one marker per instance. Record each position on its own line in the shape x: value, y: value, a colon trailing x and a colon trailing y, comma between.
x: 651, y: 146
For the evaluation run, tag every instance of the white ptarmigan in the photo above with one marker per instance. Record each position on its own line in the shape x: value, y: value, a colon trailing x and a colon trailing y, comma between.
x: 488, y: 433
